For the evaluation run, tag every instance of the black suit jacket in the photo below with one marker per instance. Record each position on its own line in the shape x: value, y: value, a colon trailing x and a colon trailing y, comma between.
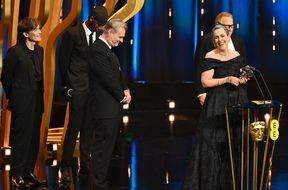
x: 106, y: 82
x: 205, y: 45
x: 73, y: 60
x: 18, y: 77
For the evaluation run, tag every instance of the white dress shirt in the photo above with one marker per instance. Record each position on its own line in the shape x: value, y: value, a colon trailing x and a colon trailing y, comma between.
x: 88, y: 32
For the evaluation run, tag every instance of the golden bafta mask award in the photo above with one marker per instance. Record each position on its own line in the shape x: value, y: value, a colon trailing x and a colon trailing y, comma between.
x: 257, y: 130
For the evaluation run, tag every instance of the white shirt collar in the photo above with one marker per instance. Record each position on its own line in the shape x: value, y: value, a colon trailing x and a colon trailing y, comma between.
x: 86, y: 29
x: 101, y: 38
x: 88, y: 32
x: 231, y: 45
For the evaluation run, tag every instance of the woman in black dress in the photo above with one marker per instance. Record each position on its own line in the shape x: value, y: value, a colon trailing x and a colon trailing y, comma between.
x: 209, y: 167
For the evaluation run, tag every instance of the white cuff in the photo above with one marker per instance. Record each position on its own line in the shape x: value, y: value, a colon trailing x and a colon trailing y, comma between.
x: 202, y: 94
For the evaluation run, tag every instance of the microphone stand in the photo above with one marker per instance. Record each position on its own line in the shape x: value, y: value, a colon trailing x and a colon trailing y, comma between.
x: 260, y: 89
x: 264, y: 82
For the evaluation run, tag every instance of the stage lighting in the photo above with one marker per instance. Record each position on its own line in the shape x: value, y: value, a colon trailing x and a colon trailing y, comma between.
x: 171, y: 118
x: 170, y: 12
x: 54, y: 162
x: 267, y: 117
x: 5, y: 159
x: 170, y: 34
x: 5, y: 151
x: 167, y: 178
x: 51, y: 162
x: 125, y: 119
x: 125, y: 106
x: 171, y: 104
x: 5, y: 167
x: 52, y: 149
x: 202, y: 11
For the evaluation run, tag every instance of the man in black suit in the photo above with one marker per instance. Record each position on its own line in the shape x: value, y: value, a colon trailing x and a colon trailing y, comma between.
x: 108, y: 91
x: 206, y: 44
x: 22, y: 79
x: 74, y: 71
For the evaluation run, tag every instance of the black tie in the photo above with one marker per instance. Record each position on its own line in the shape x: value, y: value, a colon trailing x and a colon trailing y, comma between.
x: 91, y: 39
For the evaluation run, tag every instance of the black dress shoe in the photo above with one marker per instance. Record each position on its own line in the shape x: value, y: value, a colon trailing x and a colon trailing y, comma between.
x: 65, y: 179
x: 19, y: 183
x: 34, y: 181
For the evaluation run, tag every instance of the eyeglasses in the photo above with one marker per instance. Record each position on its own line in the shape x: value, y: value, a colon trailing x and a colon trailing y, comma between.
x: 228, y: 26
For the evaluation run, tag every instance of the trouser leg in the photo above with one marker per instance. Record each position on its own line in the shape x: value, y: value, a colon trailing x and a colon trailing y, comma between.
x: 104, y: 136
x: 77, y: 111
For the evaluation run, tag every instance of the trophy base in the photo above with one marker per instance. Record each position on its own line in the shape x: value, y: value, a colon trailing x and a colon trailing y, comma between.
x: 261, y: 102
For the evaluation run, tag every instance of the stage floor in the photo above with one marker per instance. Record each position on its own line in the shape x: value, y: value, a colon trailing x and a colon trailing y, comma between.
x: 152, y: 153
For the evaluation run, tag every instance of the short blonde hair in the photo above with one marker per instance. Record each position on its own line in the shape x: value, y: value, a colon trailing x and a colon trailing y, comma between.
x: 221, y: 15
x: 115, y: 24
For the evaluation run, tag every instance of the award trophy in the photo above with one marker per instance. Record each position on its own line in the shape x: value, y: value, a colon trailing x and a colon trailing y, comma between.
x: 259, y: 130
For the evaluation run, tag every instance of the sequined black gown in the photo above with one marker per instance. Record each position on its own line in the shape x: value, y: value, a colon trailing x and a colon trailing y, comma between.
x: 209, y: 165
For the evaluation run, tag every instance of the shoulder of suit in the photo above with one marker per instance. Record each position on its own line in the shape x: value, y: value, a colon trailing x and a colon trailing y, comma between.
x: 13, y: 50
x: 100, y: 46
x: 17, y: 48
x: 99, y: 43
x: 39, y: 50
x: 236, y: 37
x: 75, y: 29
x: 39, y: 47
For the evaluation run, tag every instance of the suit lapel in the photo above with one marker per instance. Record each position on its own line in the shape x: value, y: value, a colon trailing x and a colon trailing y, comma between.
x: 112, y: 55
x: 84, y: 41
x: 28, y: 61
x: 83, y: 36
x: 116, y: 60
x: 235, y: 43
x: 38, y: 61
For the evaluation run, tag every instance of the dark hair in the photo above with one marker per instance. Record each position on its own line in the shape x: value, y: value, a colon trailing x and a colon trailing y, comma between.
x: 25, y: 25
x: 99, y: 14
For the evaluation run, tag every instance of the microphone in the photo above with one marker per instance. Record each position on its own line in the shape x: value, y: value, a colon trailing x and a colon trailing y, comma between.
x: 252, y: 68
x: 264, y: 82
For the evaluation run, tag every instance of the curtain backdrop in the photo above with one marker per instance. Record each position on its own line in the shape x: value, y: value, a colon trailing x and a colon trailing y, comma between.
x: 171, y: 60
x: 158, y: 58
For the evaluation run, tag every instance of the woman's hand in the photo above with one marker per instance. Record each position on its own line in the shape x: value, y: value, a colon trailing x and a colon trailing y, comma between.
x: 236, y: 81
x: 243, y: 80
x: 233, y: 80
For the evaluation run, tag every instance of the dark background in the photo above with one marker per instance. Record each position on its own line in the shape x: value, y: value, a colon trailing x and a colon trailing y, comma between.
x: 159, y: 68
